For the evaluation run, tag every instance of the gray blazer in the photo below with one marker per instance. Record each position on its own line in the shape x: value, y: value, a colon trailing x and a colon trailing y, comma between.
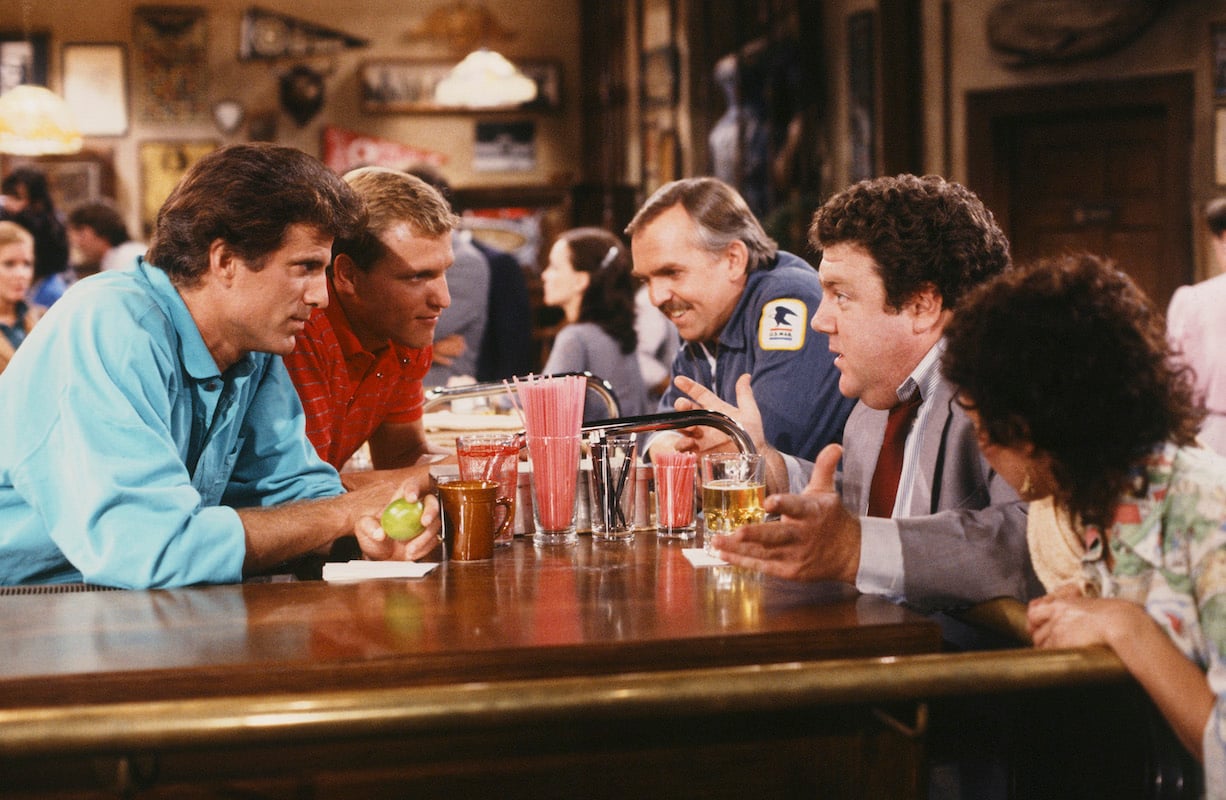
x: 964, y: 538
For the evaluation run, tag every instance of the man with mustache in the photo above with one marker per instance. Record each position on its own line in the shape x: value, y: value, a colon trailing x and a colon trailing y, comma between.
x: 740, y: 305
x: 152, y: 437
x: 358, y: 364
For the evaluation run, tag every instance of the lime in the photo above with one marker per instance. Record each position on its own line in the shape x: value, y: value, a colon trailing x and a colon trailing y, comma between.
x: 402, y: 519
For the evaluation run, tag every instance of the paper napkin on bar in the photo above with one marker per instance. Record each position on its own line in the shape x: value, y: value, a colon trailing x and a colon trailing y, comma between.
x: 358, y: 570
x: 699, y: 557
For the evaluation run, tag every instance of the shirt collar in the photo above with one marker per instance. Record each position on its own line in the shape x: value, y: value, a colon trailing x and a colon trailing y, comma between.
x: 734, y: 337
x: 926, y: 375
x: 351, y: 346
x: 355, y: 355
x: 198, y: 362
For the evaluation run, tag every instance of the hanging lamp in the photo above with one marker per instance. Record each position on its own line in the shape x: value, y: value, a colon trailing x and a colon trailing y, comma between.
x: 34, y: 121
x: 484, y: 79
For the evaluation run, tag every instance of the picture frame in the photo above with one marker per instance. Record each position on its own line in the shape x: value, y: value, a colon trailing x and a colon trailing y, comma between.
x: 659, y: 71
x: 505, y: 146
x: 170, y: 64
x: 162, y: 164
x: 71, y: 179
x: 96, y: 86
x: 1217, y: 37
x: 406, y: 86
x: 23, y: 59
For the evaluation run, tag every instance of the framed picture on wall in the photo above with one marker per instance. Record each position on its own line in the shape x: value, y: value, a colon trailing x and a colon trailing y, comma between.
x: 71, y: 179
x: 406, y: 86
x: 1217, y: 35
x: 162, y: 164
x: 96, y: 87
x: 170, y: 62
x: 22, y: 60
x: 660, y: 76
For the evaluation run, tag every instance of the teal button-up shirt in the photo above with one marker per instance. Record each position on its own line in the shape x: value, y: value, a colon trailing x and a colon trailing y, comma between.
x: 124, y: 452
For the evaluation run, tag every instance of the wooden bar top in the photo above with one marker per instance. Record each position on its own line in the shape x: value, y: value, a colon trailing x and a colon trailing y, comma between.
x: 528, y: 613
x: 555, y: 660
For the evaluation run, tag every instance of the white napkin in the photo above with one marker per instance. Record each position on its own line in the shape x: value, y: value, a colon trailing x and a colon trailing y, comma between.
x: 699, y: 557
x: 361, y: 570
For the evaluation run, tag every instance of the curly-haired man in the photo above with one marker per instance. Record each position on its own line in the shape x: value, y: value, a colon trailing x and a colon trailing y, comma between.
x: 940, y: 530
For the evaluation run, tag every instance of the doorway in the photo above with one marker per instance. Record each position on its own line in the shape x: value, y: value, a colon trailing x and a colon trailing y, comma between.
x: 1101, y: 167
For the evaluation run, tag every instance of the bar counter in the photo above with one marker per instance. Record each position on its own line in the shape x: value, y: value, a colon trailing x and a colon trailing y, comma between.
x: 529, y: 674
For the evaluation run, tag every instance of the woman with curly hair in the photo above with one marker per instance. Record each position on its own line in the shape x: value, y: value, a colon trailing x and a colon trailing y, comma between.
x: 1065, y: 371
x: 588, y: 277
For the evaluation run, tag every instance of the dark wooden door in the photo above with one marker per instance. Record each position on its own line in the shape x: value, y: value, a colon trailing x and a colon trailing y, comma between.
x: 1095, y: 167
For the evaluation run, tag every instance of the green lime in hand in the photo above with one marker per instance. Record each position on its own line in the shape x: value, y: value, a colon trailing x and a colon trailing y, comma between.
x: 402, y: 519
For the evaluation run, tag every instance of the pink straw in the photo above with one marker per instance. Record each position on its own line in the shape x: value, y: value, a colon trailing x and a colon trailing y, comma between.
x: 515, y: 401
x: 553, y: 416
x: 676, y: 489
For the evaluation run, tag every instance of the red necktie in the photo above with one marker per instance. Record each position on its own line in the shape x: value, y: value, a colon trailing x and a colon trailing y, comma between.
x: 884, y: 488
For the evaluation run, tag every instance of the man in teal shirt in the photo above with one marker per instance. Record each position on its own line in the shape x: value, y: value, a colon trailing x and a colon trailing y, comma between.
x: 152, y: 436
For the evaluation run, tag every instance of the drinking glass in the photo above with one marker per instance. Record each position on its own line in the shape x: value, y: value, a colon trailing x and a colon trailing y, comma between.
x: 555, y: 473
x: 674, y: 480
x: 493, y: 457
x: 611, y: 486
x: 733, y: 489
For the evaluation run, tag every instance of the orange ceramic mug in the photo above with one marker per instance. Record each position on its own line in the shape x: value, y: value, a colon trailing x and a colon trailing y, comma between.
x: 468, y: 518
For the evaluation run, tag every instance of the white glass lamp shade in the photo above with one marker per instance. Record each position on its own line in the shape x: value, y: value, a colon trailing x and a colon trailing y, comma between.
x: 484, y: 79
x: 34, y: 121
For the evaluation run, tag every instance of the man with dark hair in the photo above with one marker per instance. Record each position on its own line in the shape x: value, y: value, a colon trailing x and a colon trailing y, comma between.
x: 359, y: 363
x: 100, y: 238
x: 152, y: 437
x: 921, y: 516
x: 1196, y: 327
x: 740, y: 305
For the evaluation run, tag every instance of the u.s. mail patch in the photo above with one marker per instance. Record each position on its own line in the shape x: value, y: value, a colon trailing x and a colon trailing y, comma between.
x: 783, y: 324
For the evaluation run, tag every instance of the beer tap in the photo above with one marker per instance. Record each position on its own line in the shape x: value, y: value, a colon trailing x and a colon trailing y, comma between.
x: 442, y: 394
x: 673, y: 420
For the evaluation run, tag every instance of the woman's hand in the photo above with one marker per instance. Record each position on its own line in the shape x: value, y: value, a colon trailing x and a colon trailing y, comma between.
x: 1177, y: 686
x: 1065, y: 618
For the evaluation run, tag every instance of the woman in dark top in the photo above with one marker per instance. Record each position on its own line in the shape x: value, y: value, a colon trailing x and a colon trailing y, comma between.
x: 27, y: 201
x: 588, y: 277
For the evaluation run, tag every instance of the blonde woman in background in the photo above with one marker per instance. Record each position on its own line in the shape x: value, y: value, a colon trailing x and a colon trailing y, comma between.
x: 17, y: 317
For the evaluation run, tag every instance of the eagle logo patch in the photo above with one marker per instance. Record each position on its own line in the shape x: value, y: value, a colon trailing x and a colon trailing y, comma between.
x: 783, y: 324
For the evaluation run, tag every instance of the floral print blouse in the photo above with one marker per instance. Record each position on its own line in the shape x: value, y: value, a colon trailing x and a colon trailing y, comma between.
x: 1168, y: 543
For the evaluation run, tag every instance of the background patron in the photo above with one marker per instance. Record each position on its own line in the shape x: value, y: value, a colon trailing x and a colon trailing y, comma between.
x: 588, y: 277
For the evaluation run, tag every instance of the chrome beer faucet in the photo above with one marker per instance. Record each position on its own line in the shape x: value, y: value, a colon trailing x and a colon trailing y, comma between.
x: 443, y: 394
x: 673, y: 420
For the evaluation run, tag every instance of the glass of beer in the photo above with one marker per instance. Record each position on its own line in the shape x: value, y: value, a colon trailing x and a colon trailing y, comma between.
x: 733, y: 488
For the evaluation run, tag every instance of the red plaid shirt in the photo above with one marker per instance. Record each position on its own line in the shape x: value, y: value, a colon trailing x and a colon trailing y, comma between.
x: 348, y: 392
